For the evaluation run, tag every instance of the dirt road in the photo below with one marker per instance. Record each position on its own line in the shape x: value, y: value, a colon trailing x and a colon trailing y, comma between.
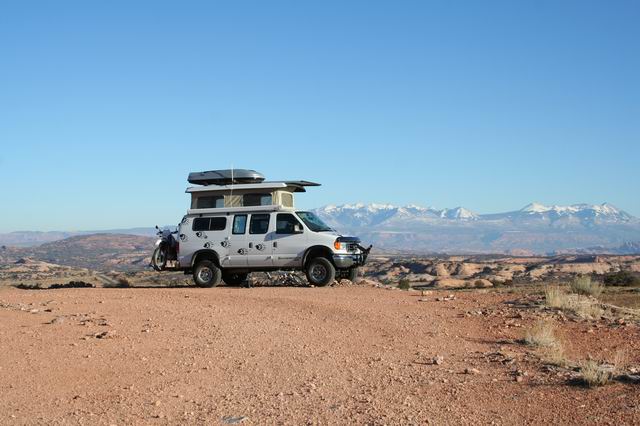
x: 288, y: 355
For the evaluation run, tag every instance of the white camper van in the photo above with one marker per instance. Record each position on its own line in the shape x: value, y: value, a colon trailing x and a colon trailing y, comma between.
x: 239, y: 223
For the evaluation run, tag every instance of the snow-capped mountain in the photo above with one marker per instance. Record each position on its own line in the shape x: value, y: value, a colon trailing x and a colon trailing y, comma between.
x: 603, y: 211
x: 535, y: 227
x: 576, y: 214
x: 458, y: 213
x: 359, y: 215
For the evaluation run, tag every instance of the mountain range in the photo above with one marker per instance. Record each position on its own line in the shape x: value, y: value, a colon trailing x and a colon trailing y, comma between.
x: 534, y: 229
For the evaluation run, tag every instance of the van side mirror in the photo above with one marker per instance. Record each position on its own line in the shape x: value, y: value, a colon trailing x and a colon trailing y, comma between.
x: 297, y: 228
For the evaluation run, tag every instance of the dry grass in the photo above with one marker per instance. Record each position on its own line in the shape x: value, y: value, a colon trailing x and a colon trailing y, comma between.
x: 585, y: 286
x: 555, y: 355
x: 595, y: 374
x: 542, y: 334
x: 587, y: 308
x: 580, y: 305
x: 620, y: 361
x: 555, y: 297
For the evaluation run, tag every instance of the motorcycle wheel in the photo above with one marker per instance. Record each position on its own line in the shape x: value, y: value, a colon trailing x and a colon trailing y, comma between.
x: 159, y: 258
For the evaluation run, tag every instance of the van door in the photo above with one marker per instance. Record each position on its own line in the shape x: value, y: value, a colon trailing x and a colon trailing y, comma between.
x: 259, y: 246
x: 289, y: 241
x: 237, y: 243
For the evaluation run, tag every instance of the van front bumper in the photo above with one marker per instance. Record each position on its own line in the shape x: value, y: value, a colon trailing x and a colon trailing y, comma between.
x: 346, y: 261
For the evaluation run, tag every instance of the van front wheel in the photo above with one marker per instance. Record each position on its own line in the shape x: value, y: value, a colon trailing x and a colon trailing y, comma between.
x: 320, y: 271
x: 207, y: 274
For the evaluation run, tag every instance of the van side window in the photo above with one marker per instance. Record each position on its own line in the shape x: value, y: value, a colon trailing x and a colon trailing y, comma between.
x: 239, y: 223
x: 209, y: 223
x: 259, y: 223
x: 285, y: 223
x: 250, y: 200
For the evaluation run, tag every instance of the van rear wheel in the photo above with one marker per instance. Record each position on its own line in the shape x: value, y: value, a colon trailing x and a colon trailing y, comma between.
x: 207, y: 274
x: 320, y: 271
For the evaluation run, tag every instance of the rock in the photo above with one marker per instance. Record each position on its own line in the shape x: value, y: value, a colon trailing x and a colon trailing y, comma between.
x: 445, y: 299
x: 233, y: 420
x: 481, y: 283
x: 473, y: 371
x: 438, y: 360
x: 105, y: 334
x: 57, y: 320
x: 450, y: 283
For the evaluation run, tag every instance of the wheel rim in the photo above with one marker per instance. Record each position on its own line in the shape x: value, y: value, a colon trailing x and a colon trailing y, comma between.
x: 205, y: 274
x: 318, y: 272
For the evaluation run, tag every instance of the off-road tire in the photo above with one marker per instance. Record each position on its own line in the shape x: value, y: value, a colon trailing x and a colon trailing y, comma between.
x: 230, y: 278
x: 352, y: 274
x: 320, y: 272
x: 207, y: 274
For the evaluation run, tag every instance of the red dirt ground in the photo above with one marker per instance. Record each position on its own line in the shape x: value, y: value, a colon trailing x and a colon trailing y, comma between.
x: 293, y: 356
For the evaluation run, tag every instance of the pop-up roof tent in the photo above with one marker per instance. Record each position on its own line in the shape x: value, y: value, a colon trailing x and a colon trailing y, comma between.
x: 240, y: 188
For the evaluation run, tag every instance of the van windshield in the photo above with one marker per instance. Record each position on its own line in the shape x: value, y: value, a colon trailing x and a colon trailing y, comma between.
x: 313, y: 222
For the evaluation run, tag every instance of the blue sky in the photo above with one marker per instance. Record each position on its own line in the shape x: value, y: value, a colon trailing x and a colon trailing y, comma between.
x: 106, y: 106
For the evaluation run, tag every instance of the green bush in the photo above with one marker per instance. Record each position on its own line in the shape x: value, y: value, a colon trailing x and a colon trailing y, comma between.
x: 622, y: 279
x: 404, y: 285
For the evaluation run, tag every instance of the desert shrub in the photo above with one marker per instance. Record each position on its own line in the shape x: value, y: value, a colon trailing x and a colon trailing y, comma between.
x: 404, y: 284
x: 72, y: 284
x: 478, y: 284
x: 120, y: 282
x: 622, y: 278
x: 23, y: 286
x: 586, y: 286
x: 595, y: 374
x: 123, y: 282
x: 541, y: 334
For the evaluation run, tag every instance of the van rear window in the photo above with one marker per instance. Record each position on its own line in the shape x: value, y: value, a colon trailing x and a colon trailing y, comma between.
x: 209, y: 223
